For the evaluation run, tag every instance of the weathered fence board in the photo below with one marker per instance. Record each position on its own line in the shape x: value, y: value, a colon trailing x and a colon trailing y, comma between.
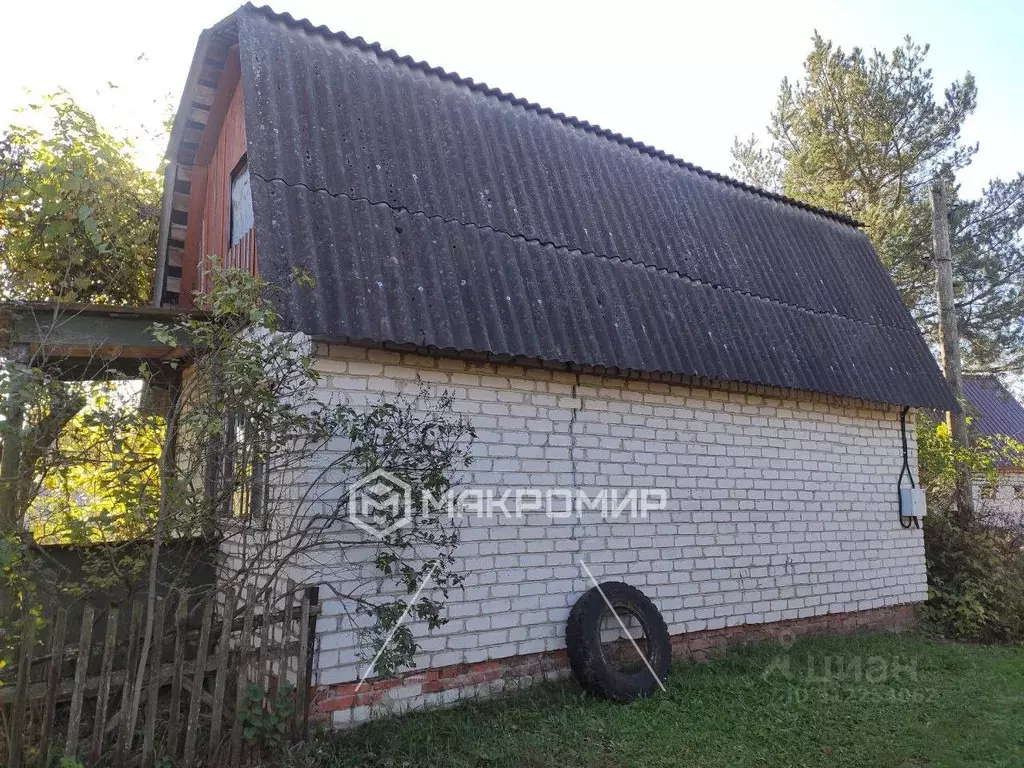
x: 180, y: 616
x: 195, y: 697
x: 153, y: 701
x: 129, y: 701
x: 242, y: 677
x: 28, y: 642
x: 220, y: 686
x: 289, y: 604
x: 81, y: 673
x: 120, y: 697
x: 106, y: 673
x: 53, y: 671
x: 263, y: 674
x: 301, y: 666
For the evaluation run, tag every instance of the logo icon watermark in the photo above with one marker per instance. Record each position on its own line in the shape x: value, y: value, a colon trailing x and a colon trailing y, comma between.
x: 380, y: 503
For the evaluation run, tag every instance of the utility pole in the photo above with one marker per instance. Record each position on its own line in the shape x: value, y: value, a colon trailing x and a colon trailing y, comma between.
x: 951, y: 364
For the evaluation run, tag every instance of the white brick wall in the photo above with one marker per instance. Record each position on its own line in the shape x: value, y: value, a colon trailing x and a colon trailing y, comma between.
x: 780, y: 505
x: 1001, y: 503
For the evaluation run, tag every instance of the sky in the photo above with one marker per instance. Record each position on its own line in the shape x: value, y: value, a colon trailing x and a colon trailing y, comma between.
x: 684, y: 76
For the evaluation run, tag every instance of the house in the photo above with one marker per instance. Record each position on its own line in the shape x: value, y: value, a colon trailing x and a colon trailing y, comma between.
x: 997, y: 418
x: 608, y: 316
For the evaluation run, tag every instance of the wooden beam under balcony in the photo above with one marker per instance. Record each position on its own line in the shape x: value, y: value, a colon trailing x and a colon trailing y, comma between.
x: 86, y: 340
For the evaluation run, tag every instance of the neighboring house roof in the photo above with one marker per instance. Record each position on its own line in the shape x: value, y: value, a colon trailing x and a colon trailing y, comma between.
x: 994, y: 412
x: 434, y: 211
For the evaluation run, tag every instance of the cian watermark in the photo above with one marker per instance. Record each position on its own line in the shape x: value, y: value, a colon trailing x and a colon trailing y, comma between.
x: 815, y: 678
x: 824, y: 669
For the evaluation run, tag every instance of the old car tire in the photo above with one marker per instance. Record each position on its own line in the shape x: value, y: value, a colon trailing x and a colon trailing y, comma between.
x: 587, y: 661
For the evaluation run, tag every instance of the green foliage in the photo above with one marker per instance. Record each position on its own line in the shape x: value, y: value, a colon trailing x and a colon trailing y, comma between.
x: 18, y: 594
x: 253, y: 398
x: 100, y: 480
x: 90, y: 455
x: 975, y: 575
x: 865, y: 136
x: 262, y: 463
x: 975, y: 580
x: 939, y: 458
x: 78, y: 218
x: 265, y: 717
x: 421, y: 442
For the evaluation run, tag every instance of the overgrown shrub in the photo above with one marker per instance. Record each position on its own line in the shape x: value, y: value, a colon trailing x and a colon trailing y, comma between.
x: 265, y: 717
x: 975, y: 573
x: 975, y: 580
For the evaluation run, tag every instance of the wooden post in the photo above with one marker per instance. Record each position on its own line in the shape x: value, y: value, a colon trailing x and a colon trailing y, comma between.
x: 302, y: 676
x: 221, y: 681
x: 196, y: 694
x: 242, y: 674
x: 19, y: 711
x: 174, y: 717
x: 262, y: 672
x: 155, y: 670
x: 129, y: 702
x: 103, y: 698
x: 11, y: 452
x: 950, y: 338
x: 81, y: 672
x: 52, y: 681
x: 282, y: 664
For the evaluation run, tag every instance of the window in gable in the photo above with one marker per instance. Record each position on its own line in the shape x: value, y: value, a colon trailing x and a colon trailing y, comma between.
x: 241, y: 203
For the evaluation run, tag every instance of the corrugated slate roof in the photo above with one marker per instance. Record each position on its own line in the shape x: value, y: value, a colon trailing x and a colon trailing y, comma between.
x: 992, y: 408
x: 435, y: 211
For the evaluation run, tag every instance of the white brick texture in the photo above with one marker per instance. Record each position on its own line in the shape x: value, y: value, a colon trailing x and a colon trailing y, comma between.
x: 1001, y: 502
x: 781, y: 505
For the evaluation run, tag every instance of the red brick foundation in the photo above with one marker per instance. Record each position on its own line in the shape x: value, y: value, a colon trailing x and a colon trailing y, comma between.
x: 693, y: 646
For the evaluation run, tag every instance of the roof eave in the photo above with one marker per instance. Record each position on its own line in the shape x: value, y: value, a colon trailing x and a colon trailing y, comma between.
x: 171, y: 155
x: 206, y: 37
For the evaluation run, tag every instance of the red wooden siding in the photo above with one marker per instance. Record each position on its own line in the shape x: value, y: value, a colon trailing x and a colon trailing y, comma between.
x: 242, y: 255
x: 210, y: 215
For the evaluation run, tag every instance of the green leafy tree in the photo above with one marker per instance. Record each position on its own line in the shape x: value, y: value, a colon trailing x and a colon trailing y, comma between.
x: 78, y: 217
x: 245, y: 452
x: 251, y: 402
x: 78, y: 223
x: 100, y: 480
x: 865, y: 136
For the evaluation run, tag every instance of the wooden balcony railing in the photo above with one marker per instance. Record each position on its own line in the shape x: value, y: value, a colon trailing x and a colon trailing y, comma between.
x: 241, y: 255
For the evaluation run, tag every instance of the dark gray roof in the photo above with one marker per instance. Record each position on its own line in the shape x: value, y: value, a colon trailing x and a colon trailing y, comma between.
x: 435, y: 211
x: 993, y: 410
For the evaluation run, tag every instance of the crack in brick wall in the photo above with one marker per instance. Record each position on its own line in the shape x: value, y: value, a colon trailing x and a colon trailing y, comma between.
x: 781, y: 507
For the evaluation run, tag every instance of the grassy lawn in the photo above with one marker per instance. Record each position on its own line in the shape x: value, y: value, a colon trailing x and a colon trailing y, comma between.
x: 899, y: 702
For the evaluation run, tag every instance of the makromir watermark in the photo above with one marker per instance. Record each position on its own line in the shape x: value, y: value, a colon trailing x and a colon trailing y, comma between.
x: 380, y: 503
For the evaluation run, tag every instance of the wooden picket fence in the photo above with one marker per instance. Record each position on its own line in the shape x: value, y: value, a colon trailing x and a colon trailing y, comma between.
x: 73, y: 692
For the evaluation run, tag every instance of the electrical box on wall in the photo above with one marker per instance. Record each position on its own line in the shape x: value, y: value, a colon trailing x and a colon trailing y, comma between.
x: 912, y: 502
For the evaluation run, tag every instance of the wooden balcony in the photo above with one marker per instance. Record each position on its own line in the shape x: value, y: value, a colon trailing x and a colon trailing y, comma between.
x: 241, y: 255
